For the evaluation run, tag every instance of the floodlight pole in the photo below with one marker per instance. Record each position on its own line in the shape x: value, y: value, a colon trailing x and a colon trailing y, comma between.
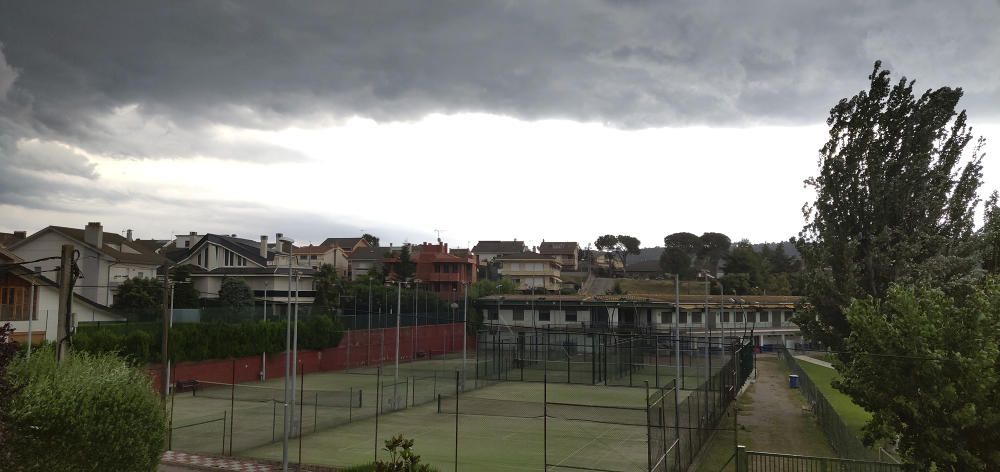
x: 286, y: 426
x: 263, y: 355
x: 399, y: 308
x: 465, y: 328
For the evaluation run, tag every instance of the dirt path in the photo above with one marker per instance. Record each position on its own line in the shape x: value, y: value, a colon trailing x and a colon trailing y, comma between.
x: 771, y: 419
x: 774, y: 420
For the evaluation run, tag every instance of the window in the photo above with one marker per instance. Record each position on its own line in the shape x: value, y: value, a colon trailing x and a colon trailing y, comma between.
x: 13, y: 304
x: 739, y: 317
x: 142, y: 275
x: 494, y: 315
x: 788, y: 316
x: 764, y: 316
x: 570, y: 315
x: 666, y: 318
x: 519, y: 314
x: 684, y: 317
x: 725, y: 317
x: 696, y: 318
x: 544, y: 316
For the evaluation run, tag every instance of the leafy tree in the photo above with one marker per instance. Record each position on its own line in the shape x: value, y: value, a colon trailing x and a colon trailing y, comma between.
x: 370, y: 239
x: 139, y: 299
x: 744, y: 260
x: 990, y: 235
x: 777, y: 260
x: 406, y: 267
x: 927, y: 365
x: 891, y: 195
x: 675, y: 261
x: 328, y: 289
x: 713, y: 248
x: 628, y: 246
x: 619, y: 246
x: 185, y: 295
x: 235, y: 294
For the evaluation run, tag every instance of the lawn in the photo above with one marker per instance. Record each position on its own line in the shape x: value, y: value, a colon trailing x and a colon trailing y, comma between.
x: 853, y: 415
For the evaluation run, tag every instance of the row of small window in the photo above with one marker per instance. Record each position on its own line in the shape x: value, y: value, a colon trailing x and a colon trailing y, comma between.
x: 543, y: 315
x: 750, y: 317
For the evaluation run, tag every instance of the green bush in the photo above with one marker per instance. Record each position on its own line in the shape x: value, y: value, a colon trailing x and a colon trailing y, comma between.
x: 91, y: 412
x: 202, y: 341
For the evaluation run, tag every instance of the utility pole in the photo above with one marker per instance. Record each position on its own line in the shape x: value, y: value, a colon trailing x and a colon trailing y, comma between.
x: 164, y: 356
x: 65, y: 302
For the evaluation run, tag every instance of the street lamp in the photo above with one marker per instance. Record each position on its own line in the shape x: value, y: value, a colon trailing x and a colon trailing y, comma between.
x: 289, y: 397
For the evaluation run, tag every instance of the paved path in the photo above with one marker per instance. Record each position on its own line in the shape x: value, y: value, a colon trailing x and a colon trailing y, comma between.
x: 814, y: 360
x: 173, y: 461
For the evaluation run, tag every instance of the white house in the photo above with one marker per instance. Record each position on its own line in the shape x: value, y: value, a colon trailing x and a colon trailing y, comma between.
x: 264, y: 267
x: 105, y: 259
x: 30, y: 302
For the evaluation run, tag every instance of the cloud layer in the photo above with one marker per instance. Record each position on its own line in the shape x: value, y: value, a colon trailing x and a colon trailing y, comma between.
x: 174, y: 79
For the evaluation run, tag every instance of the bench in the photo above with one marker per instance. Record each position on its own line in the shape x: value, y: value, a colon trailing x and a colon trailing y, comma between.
x: 185, y: 385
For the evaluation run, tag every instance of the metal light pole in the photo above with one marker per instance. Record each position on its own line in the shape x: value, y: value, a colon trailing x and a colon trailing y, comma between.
x: 465, y: 328
x: 295, y: 348
x: 286, y: 424
x: 263, y: 355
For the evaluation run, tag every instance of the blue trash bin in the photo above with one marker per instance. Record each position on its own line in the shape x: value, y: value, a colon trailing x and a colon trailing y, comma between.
x: 793, y: 381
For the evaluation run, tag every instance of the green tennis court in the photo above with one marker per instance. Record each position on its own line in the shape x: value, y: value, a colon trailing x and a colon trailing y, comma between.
x: 501, y: 429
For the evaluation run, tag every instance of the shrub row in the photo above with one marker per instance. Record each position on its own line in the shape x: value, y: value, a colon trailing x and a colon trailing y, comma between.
x: 202, y: 341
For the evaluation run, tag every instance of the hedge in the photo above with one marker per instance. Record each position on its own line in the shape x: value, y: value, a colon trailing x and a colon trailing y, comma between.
x: 91, y: 412
x: 202, y: 341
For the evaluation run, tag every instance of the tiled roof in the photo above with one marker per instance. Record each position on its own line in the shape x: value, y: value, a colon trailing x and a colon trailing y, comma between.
x: 344, y: 243
x: 530, y: 256
x: 312, y: 249
x: 270, y: 270
x: 748, y: 301
x: 369, y: 253
x: 244, y: 247
x: 114, y: 246
x: 499, y: 247
x: 554, y: 247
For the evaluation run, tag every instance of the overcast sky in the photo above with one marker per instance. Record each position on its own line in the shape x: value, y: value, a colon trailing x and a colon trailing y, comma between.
x: 556, y: 120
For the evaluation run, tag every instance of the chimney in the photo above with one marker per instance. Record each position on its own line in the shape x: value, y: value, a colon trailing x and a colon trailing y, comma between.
x: 128, y: 235
x: 263, y: 246
x: 19, y: 235
x: 93, y: 234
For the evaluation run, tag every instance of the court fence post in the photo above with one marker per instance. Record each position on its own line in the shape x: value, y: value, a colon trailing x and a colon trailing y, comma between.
x: 457, y: 383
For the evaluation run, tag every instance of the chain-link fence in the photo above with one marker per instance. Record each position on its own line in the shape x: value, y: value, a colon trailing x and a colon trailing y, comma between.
x: 556, y: 400
x: 844, y: 441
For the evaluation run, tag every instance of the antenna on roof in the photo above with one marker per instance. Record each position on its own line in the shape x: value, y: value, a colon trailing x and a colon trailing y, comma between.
x: 439, y: 231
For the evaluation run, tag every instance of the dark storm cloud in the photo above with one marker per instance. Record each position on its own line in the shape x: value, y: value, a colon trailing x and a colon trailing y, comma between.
x: 149, y: 80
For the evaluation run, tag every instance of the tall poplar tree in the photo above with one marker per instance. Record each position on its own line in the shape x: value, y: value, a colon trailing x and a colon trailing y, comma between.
x: 896, y: 189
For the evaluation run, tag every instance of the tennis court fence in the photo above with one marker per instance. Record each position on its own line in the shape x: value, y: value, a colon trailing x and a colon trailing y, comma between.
x: 676, y: 402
